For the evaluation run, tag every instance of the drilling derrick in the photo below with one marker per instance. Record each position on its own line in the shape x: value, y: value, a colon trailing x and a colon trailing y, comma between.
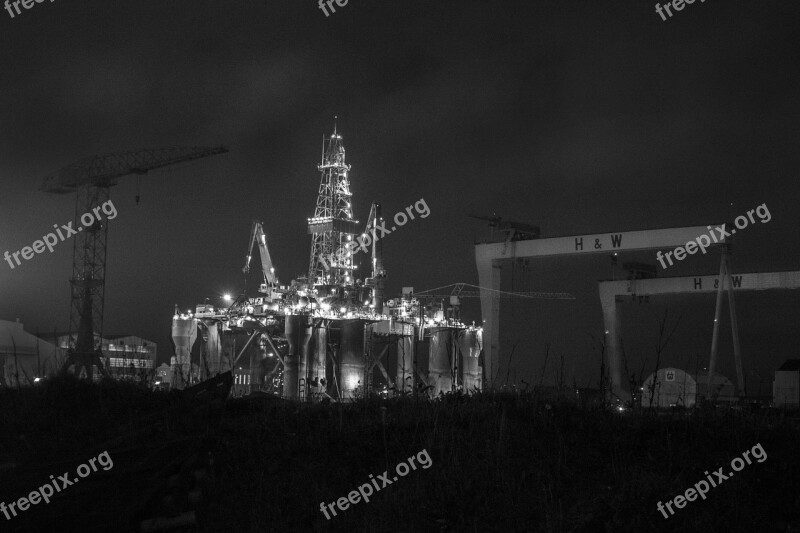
x: 333, y: 225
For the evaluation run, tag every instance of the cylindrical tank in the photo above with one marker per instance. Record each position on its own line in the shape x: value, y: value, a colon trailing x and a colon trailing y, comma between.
x: 351, y: 357
x: 470, y: 349
x: 476, y: 353
x: 184, y: 333
x: 213, y: 349
x: 440, y: 361
x: 319, y: 351
x: 405, y: 362
x: 298, y: 335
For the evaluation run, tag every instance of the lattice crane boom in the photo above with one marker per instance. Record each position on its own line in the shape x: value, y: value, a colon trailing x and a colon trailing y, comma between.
x: 105, y: 170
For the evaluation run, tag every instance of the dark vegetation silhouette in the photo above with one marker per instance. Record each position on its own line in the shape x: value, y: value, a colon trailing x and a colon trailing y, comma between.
x: 522, y: 460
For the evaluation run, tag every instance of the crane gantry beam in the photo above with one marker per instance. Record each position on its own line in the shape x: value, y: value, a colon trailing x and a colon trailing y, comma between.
x: 91, y: 178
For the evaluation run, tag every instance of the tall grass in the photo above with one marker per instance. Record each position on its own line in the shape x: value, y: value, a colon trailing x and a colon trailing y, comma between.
x: 501, y: 461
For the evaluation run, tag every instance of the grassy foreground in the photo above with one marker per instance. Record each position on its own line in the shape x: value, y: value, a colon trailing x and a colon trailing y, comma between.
x: 501, y: 462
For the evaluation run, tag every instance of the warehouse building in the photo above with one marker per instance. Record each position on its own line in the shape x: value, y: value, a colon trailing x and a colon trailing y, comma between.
x: 126, y: 357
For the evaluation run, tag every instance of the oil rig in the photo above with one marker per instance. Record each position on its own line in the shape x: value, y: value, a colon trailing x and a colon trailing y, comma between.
x: 330, y: 335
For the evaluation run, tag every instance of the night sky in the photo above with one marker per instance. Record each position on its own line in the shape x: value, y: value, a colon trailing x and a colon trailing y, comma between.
x: 577, y: 116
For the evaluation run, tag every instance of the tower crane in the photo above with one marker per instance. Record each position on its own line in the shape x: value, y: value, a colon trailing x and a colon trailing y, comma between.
x: 514, y: 231
x: 92, y: 178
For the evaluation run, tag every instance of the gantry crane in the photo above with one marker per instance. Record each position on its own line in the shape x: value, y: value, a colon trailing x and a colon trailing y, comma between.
x: 91, y: 178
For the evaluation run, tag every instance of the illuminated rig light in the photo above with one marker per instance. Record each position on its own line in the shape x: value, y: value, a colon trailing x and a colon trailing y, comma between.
x: 352, y: 381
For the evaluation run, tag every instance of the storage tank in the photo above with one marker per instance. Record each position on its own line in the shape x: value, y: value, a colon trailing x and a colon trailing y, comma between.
x: 470, y: 350
x: 351, y: 357
x: 184, y: 333
x: 213, y: 349
x: 316, y: 372
x: 476, y: 353
x: 405, y: 360
x: 295, y: 372
x: 440, y: 361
